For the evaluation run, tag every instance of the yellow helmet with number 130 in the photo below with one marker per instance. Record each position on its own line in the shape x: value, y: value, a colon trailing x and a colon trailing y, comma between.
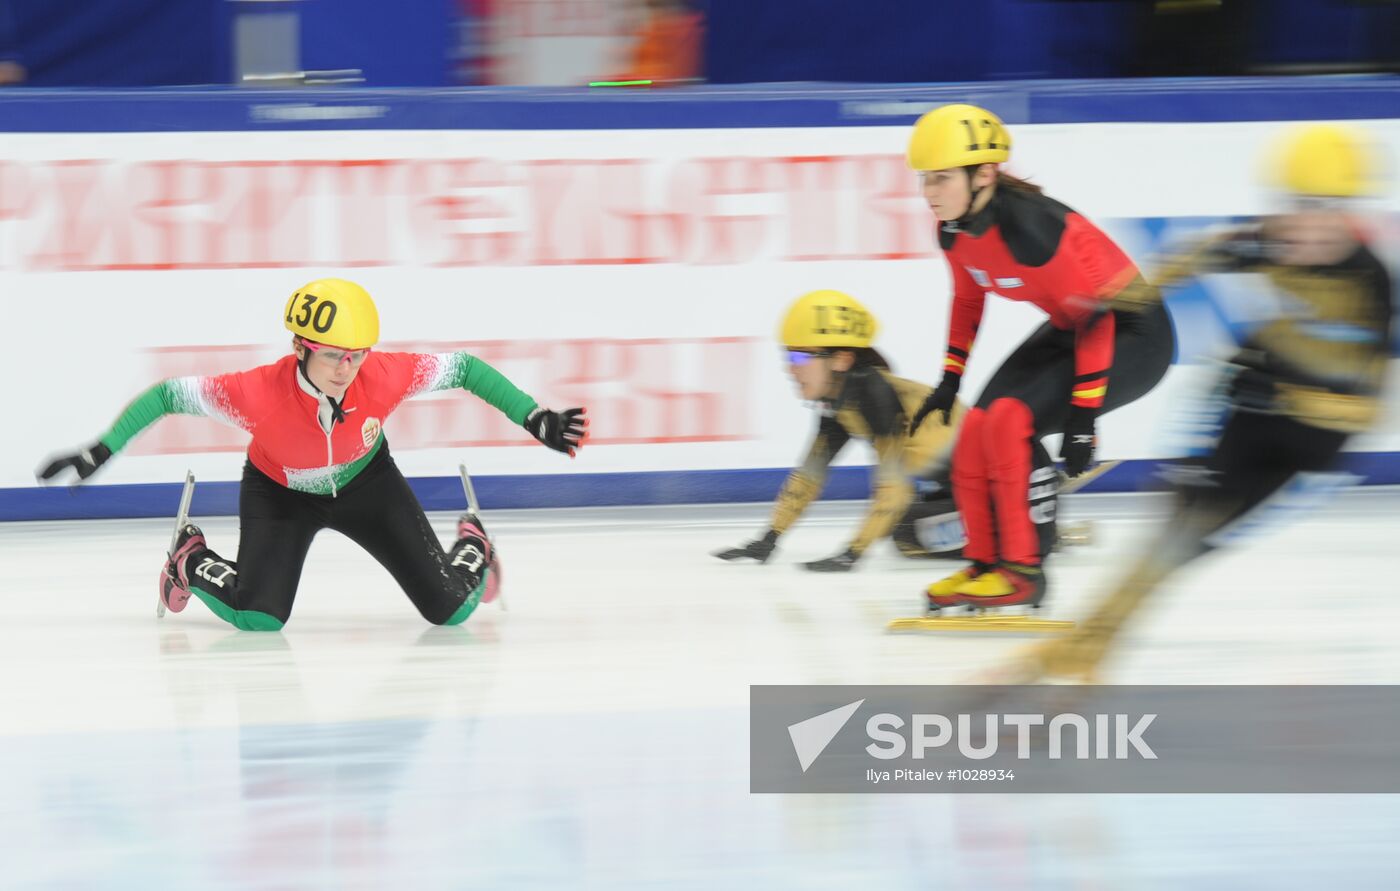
x: 335, y: 312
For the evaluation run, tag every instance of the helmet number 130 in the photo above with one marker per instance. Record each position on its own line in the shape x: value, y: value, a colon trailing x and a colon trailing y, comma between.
x: 319, y: 316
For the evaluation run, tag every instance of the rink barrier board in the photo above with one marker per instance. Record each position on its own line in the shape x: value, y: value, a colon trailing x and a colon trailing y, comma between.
x: 513, y: 491
x: 762, y: 106
x: 196, y: 109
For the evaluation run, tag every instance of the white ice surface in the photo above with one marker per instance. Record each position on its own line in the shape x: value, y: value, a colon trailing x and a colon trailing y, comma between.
x: 595, y: 735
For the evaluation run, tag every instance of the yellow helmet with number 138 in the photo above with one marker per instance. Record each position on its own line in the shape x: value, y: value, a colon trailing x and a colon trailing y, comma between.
x: 828, y: 320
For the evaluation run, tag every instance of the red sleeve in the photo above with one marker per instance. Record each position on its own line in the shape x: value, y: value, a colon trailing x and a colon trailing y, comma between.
x: 243, y: 398
x: 394, y: 377
x: 969, y: 300
x: 1093, y: 357
x: 1088, y: 270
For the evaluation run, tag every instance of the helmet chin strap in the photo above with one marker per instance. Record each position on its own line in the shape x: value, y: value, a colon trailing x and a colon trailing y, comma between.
x: 972, y: 200
x: 337, y: 413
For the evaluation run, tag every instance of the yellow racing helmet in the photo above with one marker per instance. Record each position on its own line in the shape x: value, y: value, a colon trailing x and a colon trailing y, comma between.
x: 335, y: 312
x: 958, y: 136
x: 828, y: 320
x: 1327, y: 161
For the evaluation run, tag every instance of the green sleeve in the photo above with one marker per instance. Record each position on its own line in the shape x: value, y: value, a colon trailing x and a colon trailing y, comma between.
x: 152, y: 405
x: 476, y: 376
x: 174, y: 396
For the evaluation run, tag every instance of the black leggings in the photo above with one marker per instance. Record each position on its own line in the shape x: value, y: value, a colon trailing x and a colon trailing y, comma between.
x: 1219, y: 497
x: 1255, y: 457
x: 376, y: 510
x: 1040, y: 372
x: 1004, y: 481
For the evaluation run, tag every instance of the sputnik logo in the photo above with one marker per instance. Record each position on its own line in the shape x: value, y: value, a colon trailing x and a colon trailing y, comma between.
x: 811, y: 737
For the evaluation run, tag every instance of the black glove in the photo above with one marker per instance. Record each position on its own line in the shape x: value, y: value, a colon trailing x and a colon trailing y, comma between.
x: 759, y: 549
x: 1253, y: 390
x: 842, y: 562
x: 1240, y: 249
x: 1077, y: 450
x: 941, y: 400
x: 560, y: 430
x: 85, y: 462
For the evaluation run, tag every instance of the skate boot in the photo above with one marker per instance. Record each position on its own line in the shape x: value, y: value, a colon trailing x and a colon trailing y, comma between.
x: 1007, y: 584
x: 174, y: 577
x: 470, y: 530
x: 944, y: 593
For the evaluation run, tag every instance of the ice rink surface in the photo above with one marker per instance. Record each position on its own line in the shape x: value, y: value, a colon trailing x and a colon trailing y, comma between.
x: 595, y: 735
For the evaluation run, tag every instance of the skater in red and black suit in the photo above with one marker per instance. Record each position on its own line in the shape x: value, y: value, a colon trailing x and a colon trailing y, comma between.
x: 1001, y: 235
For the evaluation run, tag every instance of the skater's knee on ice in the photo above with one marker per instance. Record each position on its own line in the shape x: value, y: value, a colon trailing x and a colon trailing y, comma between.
x: 252, y: 620
x: 221, y: 603
x: 462, y: 611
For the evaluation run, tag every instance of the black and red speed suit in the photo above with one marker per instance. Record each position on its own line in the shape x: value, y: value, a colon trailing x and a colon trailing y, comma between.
x: 1085, y: 360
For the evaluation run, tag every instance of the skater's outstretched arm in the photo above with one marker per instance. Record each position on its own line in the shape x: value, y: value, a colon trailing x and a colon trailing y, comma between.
x: 217, y: 397
x: 799, y: 490
x: 877, y: 400
x: 805, y: 483
x: 424, y: 372
x: 1225, y: 250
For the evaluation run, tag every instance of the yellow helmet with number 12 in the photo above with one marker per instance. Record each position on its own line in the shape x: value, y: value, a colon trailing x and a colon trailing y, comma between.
x: 958, y: 136
x: 828, y: 320
x: 335, y: 312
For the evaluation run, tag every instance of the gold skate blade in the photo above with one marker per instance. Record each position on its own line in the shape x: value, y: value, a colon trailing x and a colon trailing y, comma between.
x: 1004, y: 624
x: 1080, y: 533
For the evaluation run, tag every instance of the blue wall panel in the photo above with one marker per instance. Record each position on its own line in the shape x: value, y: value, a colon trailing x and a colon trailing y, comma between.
x: 121, y: 43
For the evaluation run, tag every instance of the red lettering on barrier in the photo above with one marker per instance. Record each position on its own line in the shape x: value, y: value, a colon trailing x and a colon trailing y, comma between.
x: 736, y: 216
x: 181, y: 214
x: 363, y: 213
x: 890, y: 225
x: 813, y: 191
x: 80, y: 218
x: 464, y: 217
x: 165, y: 233
x: 17, y: 198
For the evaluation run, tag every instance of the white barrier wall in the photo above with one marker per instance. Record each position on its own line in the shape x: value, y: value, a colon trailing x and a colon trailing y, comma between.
x: 641, y: 273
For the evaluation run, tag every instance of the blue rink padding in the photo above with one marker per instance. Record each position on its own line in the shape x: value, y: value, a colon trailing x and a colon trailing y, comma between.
x: 1127, y: 100
x: 562, y: 490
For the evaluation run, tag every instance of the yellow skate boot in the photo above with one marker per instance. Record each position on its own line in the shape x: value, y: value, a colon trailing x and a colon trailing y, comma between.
x: 944, y: 592
x: 1007, y: 584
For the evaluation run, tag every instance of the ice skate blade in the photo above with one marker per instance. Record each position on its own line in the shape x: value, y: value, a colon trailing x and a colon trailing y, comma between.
x: 1079, y: 534
x: 1004, y: 624
x: 181, y: 517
